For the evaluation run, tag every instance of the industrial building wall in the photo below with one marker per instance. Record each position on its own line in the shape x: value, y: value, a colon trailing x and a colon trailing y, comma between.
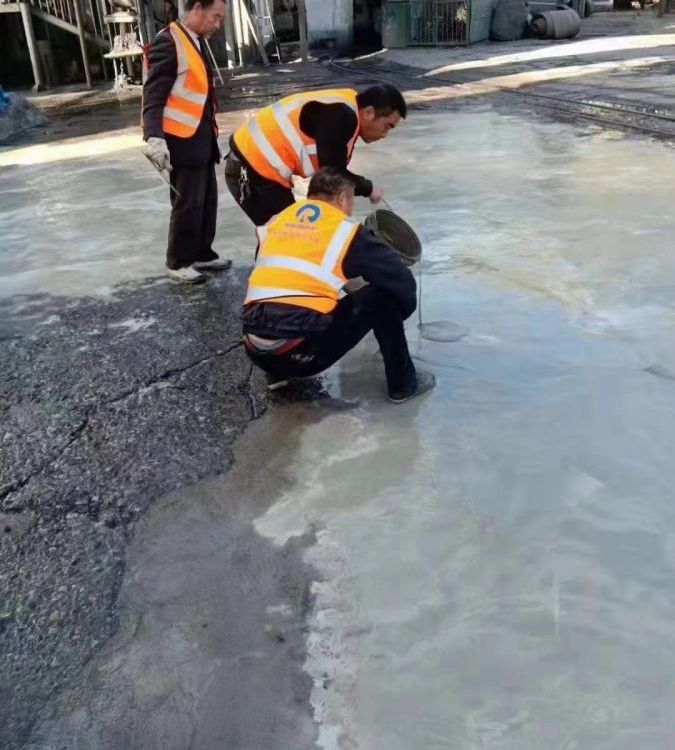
x: 481, y: 16
x: 330, y: 19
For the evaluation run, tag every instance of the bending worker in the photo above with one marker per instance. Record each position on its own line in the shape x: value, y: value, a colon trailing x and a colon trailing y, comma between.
x: 300, y: 134
x: 296, y: 324
x: 179, y: 125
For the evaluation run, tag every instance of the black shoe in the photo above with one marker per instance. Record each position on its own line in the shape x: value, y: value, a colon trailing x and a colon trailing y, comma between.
x: 425, y: 382
x: 217, y: 264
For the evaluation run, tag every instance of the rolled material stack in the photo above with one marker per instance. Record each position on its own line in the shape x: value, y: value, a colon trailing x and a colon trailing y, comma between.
x: 561, y: 23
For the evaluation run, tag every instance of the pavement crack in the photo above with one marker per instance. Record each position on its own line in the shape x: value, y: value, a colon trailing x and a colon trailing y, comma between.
x: 249, y: 392
x: 18, y: 484
x: 178, y: 370
x: 166, y: 375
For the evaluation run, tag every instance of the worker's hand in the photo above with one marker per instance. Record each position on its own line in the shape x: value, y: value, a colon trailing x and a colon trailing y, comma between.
x: 158, y: 152
x: 377, y: 195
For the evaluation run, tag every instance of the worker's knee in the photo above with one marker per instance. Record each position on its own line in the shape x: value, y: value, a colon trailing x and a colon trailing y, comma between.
x: 375, y: 302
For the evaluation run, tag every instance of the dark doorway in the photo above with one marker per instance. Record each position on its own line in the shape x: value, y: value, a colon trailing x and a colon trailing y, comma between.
x: 367, y: 25
x: 15, y: 68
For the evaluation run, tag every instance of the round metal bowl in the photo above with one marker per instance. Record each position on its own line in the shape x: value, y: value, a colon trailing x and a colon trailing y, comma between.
x: 391, y: 229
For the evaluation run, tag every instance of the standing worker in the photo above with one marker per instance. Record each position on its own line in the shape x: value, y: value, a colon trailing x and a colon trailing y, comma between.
x: 295, y: 323
x: 302, y: 133
x: 179, y: 125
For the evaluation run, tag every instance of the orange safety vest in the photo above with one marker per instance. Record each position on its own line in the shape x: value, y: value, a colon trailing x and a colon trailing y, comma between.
x: 185, y: 106
x: 300, y: 257
x: 273, y: 143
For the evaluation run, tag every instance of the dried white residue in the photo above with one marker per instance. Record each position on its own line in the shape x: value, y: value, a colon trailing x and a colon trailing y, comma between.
x: 133, y: 325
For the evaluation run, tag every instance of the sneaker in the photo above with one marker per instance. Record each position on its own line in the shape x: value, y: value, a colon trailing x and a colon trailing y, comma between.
x: 217, y: 264
x: 187, y: 274
x: 274, y: 385
x: 425, y: 382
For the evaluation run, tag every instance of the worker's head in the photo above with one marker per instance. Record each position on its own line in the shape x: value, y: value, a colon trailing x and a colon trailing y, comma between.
x: 381, y: 107
x: 333, y: 187
x: 204, y: 17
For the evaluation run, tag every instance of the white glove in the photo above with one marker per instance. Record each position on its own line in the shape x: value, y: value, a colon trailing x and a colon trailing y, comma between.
x: 158, y: 152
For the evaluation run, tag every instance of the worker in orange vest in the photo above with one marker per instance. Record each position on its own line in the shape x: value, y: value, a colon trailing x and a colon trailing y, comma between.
x: 296, y: 323
x: 302, y: 133
x: 179, y: 127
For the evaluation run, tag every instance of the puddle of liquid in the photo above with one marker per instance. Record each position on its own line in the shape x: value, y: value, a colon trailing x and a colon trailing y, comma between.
x: 443, y: 331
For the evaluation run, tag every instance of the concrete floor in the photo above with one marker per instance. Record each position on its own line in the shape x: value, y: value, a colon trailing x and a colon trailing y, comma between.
x: 496, y: 561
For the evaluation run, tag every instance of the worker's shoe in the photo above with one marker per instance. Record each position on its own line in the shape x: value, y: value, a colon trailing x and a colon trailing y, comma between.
x: 425, y: 382
x: 274, y: 383
x: 187, y: 274
x: 217, y: 264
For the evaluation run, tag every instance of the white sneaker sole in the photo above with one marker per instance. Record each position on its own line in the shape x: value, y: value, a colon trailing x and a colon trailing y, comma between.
x: 184, y: 280
x: 278, y: 385
x: 284, y: 383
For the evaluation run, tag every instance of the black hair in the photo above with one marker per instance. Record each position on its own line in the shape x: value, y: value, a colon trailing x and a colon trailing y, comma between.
x: 190, y: 4
x: 384, y: 99
x: 330, y: 183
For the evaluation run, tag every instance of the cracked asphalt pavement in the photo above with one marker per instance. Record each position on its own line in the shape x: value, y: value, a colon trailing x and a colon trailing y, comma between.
x: 105, y: 406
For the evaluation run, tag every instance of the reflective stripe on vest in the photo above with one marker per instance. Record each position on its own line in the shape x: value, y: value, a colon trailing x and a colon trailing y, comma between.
x: 268, y: 151
x: 262, y: 233
x: 185, y: 106
x: 273, y: 143
x: 320, y: 272
x: 300, y: 261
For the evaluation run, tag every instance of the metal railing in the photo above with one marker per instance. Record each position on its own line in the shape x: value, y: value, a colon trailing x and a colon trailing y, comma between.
x: 63, y: 9
x: 439, y: 22
x: 93, y: 12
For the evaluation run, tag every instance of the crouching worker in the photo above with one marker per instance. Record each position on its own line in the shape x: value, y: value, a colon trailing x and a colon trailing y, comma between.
x: 295, y: 323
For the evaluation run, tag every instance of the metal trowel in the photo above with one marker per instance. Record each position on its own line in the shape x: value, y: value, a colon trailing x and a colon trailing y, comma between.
x: 164, y: 174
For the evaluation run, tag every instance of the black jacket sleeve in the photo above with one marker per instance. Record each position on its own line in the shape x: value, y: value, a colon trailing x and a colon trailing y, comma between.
x: 162, y: 71
x: 332, y: 127
x: 381, y: 266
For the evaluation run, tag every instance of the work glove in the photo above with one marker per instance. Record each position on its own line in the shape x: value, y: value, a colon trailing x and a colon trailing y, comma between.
x: 158, y: 152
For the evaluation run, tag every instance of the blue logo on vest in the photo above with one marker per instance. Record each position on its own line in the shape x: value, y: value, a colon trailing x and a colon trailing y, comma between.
x: 309, y: 213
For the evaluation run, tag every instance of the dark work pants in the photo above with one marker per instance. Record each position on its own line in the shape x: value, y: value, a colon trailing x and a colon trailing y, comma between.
x: 263, y: 198
x: 192, y: 226
x: 357, y: 314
